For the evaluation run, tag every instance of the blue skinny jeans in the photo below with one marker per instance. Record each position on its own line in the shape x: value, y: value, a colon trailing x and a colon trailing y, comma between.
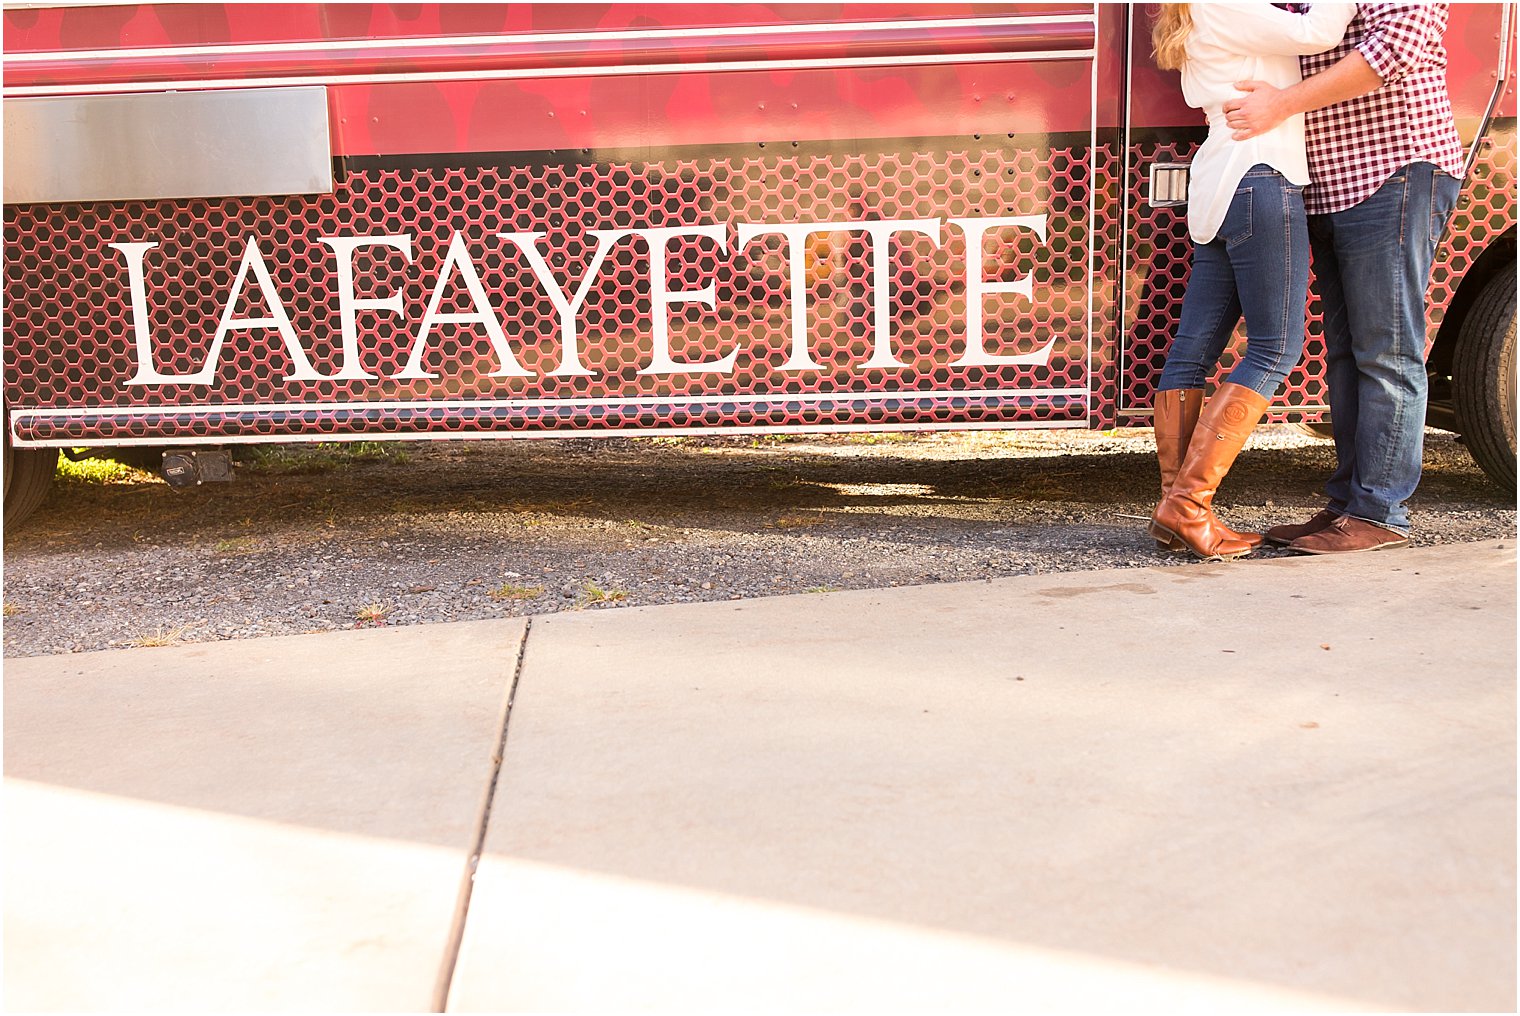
x: 1257, y: 265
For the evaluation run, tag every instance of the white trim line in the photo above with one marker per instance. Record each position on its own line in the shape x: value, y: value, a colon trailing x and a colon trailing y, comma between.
x: 1506, y: 23
x: 427, y: 404
x: 413, y: 43
x: 1126, y: 214
x: 1271, y: 409
x: 1092, y: 225
x: 621, y: 70
x: 519, y: 435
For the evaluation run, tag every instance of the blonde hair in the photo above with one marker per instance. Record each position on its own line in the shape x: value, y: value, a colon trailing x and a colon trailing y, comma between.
x: 1169, y: 36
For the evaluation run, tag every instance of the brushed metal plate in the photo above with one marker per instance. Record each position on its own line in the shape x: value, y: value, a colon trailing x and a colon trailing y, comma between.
x: 223, y: 143
x: 1168, y: 185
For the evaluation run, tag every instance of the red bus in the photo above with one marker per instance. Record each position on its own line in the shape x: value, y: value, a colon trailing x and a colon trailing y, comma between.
x: 321, y: 222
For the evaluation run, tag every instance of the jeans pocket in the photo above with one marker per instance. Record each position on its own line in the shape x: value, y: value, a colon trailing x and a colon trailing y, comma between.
x: 1236, y: 228
x: 1444, y: 190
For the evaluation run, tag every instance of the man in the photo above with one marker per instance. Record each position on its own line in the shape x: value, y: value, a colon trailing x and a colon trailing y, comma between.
x: 1385, y: 163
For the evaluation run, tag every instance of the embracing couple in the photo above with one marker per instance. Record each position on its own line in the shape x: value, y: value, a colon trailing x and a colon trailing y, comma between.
x: 1330, y: 130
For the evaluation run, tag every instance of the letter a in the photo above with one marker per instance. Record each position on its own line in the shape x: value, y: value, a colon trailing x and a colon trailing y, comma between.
x: 252, y: 261
x: 458, y: 259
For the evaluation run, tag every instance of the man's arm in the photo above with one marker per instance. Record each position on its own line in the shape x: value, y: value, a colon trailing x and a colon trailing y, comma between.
x: 1398, y: 40
x: 1264, y: 107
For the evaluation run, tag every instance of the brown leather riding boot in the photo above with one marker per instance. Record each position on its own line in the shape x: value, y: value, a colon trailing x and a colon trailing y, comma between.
x: 1174, y: 415
x: 1186, y: 513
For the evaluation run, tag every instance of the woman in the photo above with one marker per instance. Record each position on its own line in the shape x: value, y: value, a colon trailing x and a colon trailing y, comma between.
x: 1250, y: 255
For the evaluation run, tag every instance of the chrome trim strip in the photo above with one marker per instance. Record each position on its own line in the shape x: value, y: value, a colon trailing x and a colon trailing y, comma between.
x: 1501, y: 81
x: 475, y: 435
x: 1092, y: 223
x: 628, y: 400
x: 1274, y: 407
x: 1121, y: 329
x: 821, y: 63
x: 412, y: 44
x: 1029, y: 396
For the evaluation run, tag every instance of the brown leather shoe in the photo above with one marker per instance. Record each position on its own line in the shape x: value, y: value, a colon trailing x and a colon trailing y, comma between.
x: 1284, y: 535
x: 1174, y: 417
x: 1347, y: 535
x: 1186, y: 513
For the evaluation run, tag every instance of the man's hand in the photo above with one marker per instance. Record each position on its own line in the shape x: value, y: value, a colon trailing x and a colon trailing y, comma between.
x: 1256, y: 112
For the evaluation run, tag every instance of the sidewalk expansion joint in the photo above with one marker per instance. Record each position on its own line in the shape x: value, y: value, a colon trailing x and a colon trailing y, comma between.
x: 477, y: 843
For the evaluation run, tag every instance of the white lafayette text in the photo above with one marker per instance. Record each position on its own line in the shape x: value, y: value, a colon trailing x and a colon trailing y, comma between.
x: 457, y: 264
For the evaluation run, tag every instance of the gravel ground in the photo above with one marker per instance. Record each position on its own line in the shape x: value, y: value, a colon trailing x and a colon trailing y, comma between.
x: 315, y: 539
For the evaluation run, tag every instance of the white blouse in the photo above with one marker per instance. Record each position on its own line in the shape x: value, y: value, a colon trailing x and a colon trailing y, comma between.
x: 1237, y: 42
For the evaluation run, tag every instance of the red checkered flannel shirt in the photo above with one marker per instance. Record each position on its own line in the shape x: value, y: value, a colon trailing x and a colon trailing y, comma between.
x: 1356, y: 145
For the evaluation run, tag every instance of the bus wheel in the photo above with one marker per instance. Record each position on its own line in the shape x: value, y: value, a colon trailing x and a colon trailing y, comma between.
x: 28, y: 478
x: 1483, y: 379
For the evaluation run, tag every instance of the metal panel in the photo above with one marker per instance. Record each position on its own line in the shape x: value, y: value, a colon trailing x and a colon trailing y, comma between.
x: 1169, y: 184
x: 172, y: 145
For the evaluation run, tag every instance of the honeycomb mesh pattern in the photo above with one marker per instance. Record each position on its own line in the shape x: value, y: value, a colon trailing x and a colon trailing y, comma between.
x: 71, y: 332
x: 1160, y: 255
x: 70, y: 338
x: 1485, y: 211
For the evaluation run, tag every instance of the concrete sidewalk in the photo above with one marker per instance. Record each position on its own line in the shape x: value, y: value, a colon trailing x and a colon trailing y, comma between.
x: 1283, y: 784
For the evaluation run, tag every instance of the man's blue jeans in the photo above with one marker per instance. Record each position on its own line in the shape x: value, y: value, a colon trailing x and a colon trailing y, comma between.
x: 1257, y: 265
x: 1371, y: 266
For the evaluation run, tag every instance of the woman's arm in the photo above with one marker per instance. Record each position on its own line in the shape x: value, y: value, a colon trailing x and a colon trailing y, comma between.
x: 1262, y: 28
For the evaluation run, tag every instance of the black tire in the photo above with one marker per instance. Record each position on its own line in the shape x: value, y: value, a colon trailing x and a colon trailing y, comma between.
x: 28, y: 478
x: 1483, y: 379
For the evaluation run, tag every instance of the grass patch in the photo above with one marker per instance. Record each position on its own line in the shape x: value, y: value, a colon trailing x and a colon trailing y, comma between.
x: 507, y: 591
x: 886, y: 437
x: 797, y: 521
x: 321, y: 456
x: 593, y: 593
x: 161, y: 637
x: 372, y: 615
x: 410, y: 506
x: 100, y: 472
x: 11, y: 610
x: 822, y: 589
x: 238, y: 545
